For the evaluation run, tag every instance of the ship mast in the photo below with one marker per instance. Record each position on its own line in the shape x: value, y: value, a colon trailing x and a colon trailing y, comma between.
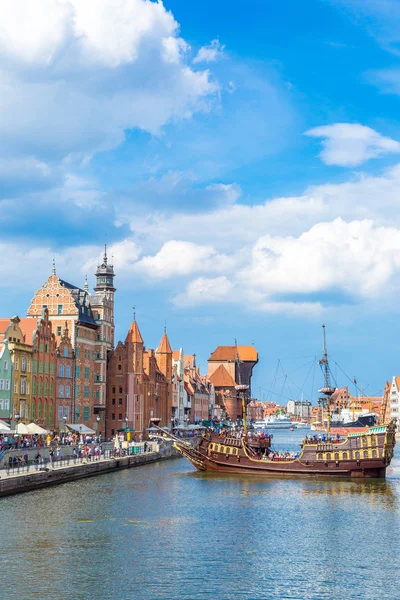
x: 241, y: 389
x: 327, y: 390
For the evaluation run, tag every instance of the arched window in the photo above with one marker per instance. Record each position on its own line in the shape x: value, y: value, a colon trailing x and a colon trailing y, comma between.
x: 23, y: 386
x: 23, y: 363
x: 365, y: 453
x: 344, y: 455
x: 357, y: 455
x: 120, y: 389
x: 61, y: 391
x: 336, y: 455
x: 113, y: 390
x: 373, y: 453
x: 328, y: 457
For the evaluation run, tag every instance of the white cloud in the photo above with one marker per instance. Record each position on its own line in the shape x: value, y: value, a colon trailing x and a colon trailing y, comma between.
x: 349, y: 145
x: 177, y: 258
x: 205, y: 290
x: 210, y: 53
x: 74, y: 75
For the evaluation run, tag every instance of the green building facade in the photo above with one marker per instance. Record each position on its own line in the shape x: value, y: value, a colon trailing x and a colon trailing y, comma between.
x: 5, y: 381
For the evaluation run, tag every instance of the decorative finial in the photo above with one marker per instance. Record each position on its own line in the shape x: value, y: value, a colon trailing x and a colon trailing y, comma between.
x: 86, y: 286
x: 134, y: 313
x: 105, y: 254
x: 165, y: 327
x: 53, y: 271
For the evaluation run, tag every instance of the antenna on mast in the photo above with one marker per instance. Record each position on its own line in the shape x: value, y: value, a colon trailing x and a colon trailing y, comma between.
x: 327, y: 390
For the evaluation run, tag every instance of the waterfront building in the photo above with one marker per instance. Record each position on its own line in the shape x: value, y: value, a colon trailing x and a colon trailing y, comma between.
x: 164, y: 362
x: 395, y: 399
x: 138, y: 393
x: 40, y: 335
x: 5, y: 381
x: 65, y: 381
x: 199, y: 390
x: 180, y: 409
x: 21, y: 358
x: 229, y: 366
x: 90, y: 322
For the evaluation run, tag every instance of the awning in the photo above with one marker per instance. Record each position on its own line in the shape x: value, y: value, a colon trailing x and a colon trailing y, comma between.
x: 4, y: 425
x: 22, y: 429
x: 79, y: 428
x: 127, y: 429
x: 36, y: 429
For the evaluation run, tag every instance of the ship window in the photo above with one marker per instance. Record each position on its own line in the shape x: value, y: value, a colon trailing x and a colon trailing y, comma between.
x: 328, y: 456
x: 344, y: 455
x: 357, y: 455
x: 336, y: 455
x: 373, y: 453
x: 320, y: 457
x: 365, y: 453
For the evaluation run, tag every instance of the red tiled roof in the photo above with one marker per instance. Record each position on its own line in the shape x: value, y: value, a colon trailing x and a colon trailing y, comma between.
x: 175, y: 354
x: 134, y: 334
x: 4, y: 323
x: 164, y: 347
x: 230, y: 353
x: 221, y: 378
x: 28, y: 327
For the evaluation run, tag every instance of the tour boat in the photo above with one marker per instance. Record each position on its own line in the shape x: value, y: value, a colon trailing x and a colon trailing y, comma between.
x: 357, y: 454
x: 279, y: 422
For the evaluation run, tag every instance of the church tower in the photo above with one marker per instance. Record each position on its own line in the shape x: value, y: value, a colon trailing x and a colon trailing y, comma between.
x: 164, y: 363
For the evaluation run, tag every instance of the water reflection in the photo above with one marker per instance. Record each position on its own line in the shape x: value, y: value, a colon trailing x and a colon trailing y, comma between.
x: 166, y: 532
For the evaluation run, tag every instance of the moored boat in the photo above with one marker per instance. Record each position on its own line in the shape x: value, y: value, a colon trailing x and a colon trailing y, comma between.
x: 356, y: 454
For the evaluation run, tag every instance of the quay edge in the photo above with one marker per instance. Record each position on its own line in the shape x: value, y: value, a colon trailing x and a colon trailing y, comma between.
x: 35, y: 480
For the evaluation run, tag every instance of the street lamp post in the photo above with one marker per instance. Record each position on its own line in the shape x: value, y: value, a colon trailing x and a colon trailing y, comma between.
x: 17, y: 417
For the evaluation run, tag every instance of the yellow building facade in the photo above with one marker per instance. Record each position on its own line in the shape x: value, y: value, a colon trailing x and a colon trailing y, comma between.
x: 21, y: 358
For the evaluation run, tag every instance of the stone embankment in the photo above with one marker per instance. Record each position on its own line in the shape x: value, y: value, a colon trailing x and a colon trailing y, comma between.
x: 35, y: 477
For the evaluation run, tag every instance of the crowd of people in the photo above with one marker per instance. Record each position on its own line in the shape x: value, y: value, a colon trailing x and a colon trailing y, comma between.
x: 323, y: 439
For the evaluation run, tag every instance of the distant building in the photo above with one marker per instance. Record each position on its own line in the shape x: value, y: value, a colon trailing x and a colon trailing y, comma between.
x: 228, y: 367
x: 395, y: 399
x: 300, y: 409
x: 21, y: 358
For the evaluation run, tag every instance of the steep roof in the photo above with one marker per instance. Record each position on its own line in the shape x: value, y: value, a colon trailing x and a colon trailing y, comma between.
x: 221, y: 378
x: 81, y: 300
x: 397, y: 382
x: 4, y: 323
x: 248, y: 353
x: 176, y: 354
x: 28, y: 327
x: 134, y: 334
x: 164, y: 346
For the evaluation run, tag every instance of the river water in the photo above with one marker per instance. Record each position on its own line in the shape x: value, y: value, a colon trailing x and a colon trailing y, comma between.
x: 165, y: 531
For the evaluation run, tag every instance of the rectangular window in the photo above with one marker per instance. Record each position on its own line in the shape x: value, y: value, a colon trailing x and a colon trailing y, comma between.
x: 85, y: 413
x: 86, y: 391
x: 77, y: 372
x: 61, y: 391
x: 66, y: 412
x: 68, y: 371
x: 77, y: 352
x: 50, y: 414
x: 41, y: 347
x: 97, y: 377
x: 40, y: 367
x: 51, y: 388
x: 60, y: 413
x: 77, y: 413
x: 113, y: 416
x: 77, y: 391
x: 59, y: 330
x: 120, y: 417
x: 32, y: 412
x: 7, y: 384
x: 16, y: 363
x: 40, y: 387
x: 45, y: 387
x: 34, y: 386
x: 51, y: 368
x: 28, y: 365
x: 46, y: 367
x: 61, y: 370
x: 46, y: 348
x: 86, y: 372
x: 1, y: 384
x: 5, y: 366
x: 44, y: 412
x: 59, y: 309
x: 15, y: 387
x: 39, y: 410
x: 23, y: 386
x: 67, y: 391
x: 65, y: 352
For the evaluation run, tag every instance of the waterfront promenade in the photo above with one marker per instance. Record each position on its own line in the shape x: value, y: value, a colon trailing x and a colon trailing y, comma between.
x: 17, y: 478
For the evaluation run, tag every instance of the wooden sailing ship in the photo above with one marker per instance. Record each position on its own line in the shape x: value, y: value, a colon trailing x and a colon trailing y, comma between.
x: 365, y: 454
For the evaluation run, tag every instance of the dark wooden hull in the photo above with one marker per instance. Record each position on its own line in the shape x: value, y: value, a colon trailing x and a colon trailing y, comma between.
x: 360, y: 455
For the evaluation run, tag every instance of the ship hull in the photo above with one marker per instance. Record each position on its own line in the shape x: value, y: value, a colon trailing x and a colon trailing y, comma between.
x: 364, y: 455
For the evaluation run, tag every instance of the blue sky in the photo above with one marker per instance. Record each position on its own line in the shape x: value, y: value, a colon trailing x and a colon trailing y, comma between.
x: 241, y: 159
